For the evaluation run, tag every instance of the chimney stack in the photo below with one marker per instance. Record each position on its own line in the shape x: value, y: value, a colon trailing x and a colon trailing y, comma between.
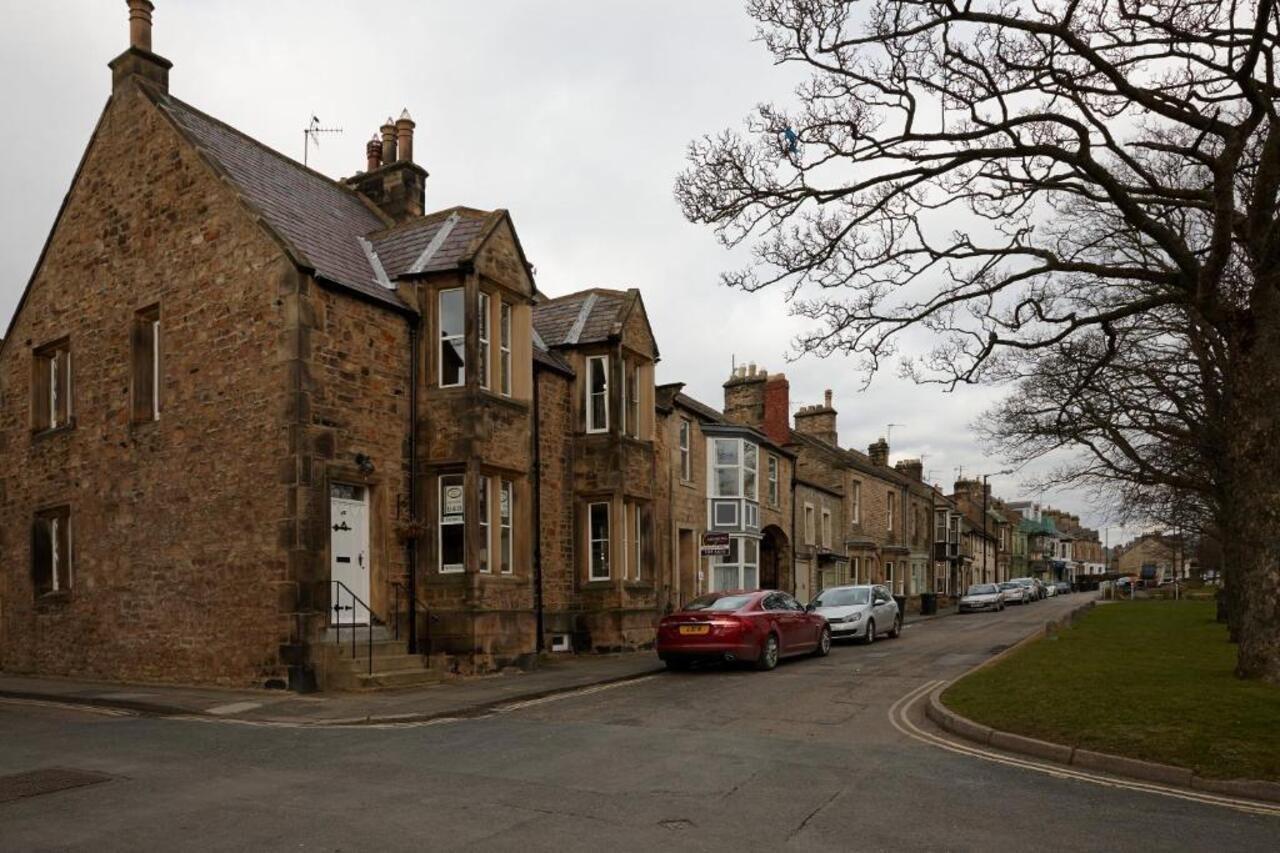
x: 393, y: 181
x: 819, y: 421
x: 404, y: 137
x: 388, y: 142
x: 140, y: 24
x: 138, y: 60
x: 912, y: 468
x: 879, y: 453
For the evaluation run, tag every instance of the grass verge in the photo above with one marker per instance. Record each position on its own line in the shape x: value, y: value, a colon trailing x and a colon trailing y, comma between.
x: 1145, y: 679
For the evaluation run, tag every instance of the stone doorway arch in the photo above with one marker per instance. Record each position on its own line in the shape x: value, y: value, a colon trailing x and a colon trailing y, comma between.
x: 775, y: 560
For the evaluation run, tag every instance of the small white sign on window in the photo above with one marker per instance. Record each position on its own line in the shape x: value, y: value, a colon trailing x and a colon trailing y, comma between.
x: 453, y: 501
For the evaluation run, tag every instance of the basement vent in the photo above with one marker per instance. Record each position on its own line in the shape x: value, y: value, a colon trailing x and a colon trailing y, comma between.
x: 560, y: 643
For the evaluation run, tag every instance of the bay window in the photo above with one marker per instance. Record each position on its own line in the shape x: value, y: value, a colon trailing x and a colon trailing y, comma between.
x: 598, y: 541
x: 452, y: 524
x: 740, y: 568
x: 484, y: 523
x: 504, y: 349
x: 505, y: 506
x: 631, y: 391
x: 735, y: 468
x: 453, y: 352
x: 597, y: 393
x: 483, y: 327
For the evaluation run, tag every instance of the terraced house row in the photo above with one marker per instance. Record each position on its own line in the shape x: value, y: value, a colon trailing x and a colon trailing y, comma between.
x: 245, y: 407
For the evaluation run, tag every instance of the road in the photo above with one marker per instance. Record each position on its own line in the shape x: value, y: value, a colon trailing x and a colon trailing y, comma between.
x: 804, y: 757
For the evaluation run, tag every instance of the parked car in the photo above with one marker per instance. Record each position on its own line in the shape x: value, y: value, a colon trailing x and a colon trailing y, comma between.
x: 864, y: 611
x: 1050, y: 590
x: 982, y: 596
x: 759, y: 627
x: 1030, y: 585
x: 1063, y: 587
x: 1015, y: 593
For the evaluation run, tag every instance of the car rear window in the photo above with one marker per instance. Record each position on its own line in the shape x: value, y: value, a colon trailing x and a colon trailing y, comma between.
x: 719, y: 602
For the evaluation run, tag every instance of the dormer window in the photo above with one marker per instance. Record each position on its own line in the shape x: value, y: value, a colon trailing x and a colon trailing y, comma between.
x: 598, y: 393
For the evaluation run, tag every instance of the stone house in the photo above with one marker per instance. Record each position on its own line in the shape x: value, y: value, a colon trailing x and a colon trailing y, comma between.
x: 729, y: 479
x: 245, y: 407
x: 822, y: 559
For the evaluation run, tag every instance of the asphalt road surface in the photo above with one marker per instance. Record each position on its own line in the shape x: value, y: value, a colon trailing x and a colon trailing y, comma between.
x: 804, y: 757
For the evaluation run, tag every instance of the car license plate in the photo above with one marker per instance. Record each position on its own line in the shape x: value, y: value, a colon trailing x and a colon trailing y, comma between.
x: 695, y: 629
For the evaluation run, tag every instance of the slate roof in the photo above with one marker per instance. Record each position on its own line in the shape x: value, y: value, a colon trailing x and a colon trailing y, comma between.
x: 401, y: 247
x: 585, y: 317
x: 699, y: 408
x: 320, y: 219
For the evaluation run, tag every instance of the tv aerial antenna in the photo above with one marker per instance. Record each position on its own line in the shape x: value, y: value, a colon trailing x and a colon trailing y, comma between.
x: 311, y: 136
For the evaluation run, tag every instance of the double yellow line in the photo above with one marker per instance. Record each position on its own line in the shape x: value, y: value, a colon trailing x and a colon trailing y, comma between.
x: 900, y: 717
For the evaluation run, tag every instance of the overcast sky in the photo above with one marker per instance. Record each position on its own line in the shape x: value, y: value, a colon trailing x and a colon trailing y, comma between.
x: 572, y: 115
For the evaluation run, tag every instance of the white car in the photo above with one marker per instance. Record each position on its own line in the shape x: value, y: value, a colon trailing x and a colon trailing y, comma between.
x: 982, y: 596
x: 1050, y: 590
x: 864, y: 611
x: 1015, y: 593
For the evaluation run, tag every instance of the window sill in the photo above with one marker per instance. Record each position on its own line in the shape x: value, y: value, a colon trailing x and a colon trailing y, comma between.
x: 53, y: 600
x: 49, y: 432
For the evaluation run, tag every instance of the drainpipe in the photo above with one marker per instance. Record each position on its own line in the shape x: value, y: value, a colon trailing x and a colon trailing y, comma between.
x: 536, y: 472
x: 794, y: 543
x: 411, y: 544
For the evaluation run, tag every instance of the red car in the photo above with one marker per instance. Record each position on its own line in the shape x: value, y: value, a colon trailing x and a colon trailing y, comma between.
x: 758, y: 627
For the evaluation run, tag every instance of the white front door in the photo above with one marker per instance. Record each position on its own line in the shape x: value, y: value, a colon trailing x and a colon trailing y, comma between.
x: 349, y: 554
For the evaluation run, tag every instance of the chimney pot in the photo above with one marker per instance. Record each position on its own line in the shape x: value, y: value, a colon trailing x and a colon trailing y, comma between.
x: 373, y: 153
x: 404, y: 136
x: 751, y: 369
x: 827, y: 398
x: 140, y: 24
x: 388, y: 142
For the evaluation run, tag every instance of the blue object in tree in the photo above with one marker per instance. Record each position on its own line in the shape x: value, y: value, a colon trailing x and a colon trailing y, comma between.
x: 793, y: 141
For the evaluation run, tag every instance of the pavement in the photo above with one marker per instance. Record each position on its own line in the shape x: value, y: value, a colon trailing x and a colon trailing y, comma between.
x: 454, y: 698
x: 819, y: 754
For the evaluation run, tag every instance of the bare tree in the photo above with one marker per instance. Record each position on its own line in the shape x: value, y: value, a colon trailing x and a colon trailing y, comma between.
x: 1027, y: 178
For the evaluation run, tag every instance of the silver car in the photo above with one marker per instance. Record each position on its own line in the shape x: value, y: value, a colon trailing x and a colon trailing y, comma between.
x: 1015, y: 593
x: 864, y: 611
x: 982, y: 596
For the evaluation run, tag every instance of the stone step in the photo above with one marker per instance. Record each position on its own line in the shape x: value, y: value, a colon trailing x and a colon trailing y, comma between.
x: 380, y: 650
x: 398, y: 679
x: 385, y: 663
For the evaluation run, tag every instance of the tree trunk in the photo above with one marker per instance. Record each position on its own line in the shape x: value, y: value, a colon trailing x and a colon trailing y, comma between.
x: 1252, y: 486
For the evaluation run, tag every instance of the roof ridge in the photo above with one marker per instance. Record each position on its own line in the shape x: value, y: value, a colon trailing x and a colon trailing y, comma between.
x: 575, y: 331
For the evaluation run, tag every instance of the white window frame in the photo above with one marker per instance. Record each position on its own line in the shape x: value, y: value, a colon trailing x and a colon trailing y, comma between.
x: 630, y: 395
x: 506, y: 564
x: 855, y: 570
x: 592, y: 542
x: 826, y: 528
x: 626, y: 540
x: 639, y: 536
x: 773, y: 466
x: 810, y: 525
x: 714, y: 467
x: 155, y: 369
x: 444, y: 481
x: 504, y: 348
x: 892, y: 498
x: 856, y: 488
x: 486, y: 539
x: 593, y: 427
x: 482, y: 329
x: 686, y: 454
x: 443, y: 341
x: 742, y: 564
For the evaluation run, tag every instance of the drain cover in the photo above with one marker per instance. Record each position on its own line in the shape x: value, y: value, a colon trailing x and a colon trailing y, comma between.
x: 33, y: 783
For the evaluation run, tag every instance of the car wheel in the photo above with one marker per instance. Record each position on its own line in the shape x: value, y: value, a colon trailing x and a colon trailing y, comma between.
x: 871, y: 632
x: 896, y: 631
x: 824, y: 643
x: 768, y: 653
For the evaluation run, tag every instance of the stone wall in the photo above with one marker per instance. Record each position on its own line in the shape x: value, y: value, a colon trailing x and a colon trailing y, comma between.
x: 176, y: 565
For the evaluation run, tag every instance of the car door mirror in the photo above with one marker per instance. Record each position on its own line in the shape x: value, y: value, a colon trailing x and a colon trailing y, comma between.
x: 809, y: 608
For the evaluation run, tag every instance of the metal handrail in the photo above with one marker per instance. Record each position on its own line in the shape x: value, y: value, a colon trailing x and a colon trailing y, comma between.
x: 338, y: 587
x: 402, y: 588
